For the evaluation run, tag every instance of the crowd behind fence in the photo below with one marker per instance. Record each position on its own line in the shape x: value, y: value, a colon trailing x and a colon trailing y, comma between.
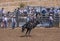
x: 20, y: 15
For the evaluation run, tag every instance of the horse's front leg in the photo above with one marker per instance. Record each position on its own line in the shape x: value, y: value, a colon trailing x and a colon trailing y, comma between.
x: 23, y: 29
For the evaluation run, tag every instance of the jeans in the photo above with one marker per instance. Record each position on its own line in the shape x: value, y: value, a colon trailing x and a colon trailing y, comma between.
x: 13, y: 25
x: 51, y: 23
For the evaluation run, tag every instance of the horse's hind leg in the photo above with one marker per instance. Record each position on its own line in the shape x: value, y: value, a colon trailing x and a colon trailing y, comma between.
x: 26, y: 32
x: 29, y: 32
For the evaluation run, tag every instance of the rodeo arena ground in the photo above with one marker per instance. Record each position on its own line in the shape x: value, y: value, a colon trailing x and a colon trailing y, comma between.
x: 30, y: 23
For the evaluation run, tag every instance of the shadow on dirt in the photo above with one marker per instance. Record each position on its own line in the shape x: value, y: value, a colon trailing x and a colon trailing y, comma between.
x: 25, y: 36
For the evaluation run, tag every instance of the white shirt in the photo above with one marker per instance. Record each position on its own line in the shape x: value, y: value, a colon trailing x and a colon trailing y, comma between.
x: 21, y: 11
x: 5, y: 18
x: 50, y: 18
x: 58, y: 11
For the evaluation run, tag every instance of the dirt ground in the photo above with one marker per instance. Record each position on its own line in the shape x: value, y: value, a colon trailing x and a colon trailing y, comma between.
x: 37, y: 34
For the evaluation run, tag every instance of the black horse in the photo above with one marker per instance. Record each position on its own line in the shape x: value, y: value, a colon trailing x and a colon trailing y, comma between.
x: 29, y: 26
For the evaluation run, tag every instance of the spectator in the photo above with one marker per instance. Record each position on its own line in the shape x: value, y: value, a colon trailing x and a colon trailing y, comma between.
x: 21, y: 11
x: 17, y: 14
x: 5, y: 21
x: 44, y: 11
x: 1, y: 11
x: 51, y: 20
x: 15, y: 11
x: 13, y: 22
x: 25, y: 11
x: 51, y: 11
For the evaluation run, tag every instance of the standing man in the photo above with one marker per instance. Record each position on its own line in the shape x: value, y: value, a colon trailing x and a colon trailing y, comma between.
x: 17, y: 14
x: 51, y: 20
x: 1, y: 11
x: 5, y: 21
x: 13, y: 22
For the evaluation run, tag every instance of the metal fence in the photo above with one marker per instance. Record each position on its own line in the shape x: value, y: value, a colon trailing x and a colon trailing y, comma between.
x: 44, y: 19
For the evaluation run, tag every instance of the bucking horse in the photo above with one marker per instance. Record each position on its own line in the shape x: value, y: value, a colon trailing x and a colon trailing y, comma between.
x: 29, y: 26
